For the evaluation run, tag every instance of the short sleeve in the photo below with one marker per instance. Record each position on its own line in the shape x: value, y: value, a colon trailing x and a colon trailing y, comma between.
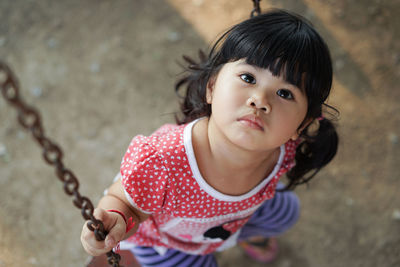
x: 290, y: 154
x: 143, y: 176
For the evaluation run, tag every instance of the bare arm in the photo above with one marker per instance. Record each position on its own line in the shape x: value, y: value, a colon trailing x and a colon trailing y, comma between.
x: 115, y: 199
x: 114, y: 223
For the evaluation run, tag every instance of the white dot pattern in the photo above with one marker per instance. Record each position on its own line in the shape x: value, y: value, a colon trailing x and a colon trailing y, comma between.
x: 156, y: 174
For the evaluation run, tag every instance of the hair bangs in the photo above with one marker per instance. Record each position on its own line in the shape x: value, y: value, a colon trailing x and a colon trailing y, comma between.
x: 284, y: 48
x: 287, y: 45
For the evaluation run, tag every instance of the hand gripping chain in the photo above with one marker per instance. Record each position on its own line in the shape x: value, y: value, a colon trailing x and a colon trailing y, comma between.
x: 29, y: 118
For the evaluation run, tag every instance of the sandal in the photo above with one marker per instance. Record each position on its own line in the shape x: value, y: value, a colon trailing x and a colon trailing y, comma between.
x: 265, y: 250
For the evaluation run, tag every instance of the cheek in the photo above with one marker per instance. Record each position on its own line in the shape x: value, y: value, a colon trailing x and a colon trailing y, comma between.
x: 290, y: 120
x: 227, y: 98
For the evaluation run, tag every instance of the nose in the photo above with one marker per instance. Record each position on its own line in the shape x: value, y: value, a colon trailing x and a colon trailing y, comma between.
x: 258, y: 104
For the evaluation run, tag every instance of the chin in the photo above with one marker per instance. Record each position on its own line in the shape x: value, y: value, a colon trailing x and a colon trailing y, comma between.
x: 246, y: 142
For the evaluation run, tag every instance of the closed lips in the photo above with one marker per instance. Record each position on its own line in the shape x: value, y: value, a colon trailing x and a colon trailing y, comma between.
x: 252, y: 121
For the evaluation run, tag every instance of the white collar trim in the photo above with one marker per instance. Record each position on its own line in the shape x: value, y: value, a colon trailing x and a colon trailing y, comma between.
x: 187, y: 141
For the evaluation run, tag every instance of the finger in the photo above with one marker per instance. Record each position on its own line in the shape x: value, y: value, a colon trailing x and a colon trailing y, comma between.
x: 113, y: 223
x: 101, y: 215
x: 89, y: 240
x: 95, y: 251
x: 116, y: 234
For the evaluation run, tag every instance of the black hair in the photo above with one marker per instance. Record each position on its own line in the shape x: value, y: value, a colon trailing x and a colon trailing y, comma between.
x: 287, y: 45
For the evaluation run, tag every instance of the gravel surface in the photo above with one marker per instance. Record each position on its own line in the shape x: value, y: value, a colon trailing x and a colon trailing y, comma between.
x: 103, y: 71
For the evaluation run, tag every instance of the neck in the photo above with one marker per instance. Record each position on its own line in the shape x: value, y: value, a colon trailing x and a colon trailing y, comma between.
x: 225, y: 159
x: 235, y: 157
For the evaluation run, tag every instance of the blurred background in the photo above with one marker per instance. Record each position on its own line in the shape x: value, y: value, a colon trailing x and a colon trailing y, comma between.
x: 103, y: 71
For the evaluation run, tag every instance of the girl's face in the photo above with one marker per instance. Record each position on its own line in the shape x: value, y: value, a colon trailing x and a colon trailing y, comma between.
x: 253, y: 109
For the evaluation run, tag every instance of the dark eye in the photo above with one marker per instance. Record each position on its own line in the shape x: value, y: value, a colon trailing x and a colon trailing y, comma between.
x: 284, y: 93
x: 248, y: 78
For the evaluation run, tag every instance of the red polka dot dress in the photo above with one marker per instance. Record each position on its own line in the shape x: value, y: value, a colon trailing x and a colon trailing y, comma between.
x: 161, y: 177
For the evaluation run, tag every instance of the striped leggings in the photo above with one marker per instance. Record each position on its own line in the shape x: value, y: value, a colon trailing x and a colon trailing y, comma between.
x: 274, y: 217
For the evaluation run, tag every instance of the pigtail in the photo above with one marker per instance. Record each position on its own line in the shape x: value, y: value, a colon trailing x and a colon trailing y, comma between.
x: 288, y: 46
x: 317, y: 150
x: 193, y: 102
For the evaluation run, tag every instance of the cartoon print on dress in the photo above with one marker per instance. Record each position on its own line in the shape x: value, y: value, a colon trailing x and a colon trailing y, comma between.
x: 223, y: 232
x: 217, y: 232
x: 214, y: 234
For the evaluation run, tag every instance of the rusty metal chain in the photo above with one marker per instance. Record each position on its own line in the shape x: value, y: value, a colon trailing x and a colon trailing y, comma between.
x: 29, y: 118
x: 256, y: 10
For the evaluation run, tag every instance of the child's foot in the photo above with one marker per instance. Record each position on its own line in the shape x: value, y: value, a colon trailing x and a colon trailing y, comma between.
x: 261, y: 249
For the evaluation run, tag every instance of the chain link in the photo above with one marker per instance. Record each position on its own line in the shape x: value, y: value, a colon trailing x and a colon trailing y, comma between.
x: 256, y: 10
x: 30, y: 119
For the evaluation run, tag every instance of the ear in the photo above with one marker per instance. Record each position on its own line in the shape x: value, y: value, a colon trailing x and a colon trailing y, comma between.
x: 210, y: 89
x: 306, y: 123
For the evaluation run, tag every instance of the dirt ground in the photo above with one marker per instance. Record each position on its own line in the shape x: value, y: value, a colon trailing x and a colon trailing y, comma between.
x: 102, y: 71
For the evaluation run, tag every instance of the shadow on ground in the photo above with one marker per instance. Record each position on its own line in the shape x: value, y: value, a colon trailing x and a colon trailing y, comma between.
x: 103, y: 71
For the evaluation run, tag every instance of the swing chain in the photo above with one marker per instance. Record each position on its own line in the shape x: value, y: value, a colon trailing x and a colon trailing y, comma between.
x: 256, y: 10
x: 30, y: 119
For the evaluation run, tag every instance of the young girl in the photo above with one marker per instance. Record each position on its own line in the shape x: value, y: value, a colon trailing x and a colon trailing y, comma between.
x: 252, y: 111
